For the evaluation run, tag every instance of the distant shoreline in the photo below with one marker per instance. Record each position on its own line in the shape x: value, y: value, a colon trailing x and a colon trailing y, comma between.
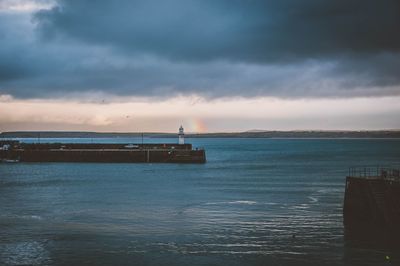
x: 387, y: 134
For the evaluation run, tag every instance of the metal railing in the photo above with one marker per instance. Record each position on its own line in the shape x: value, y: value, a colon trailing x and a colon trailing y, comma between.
x: 374, y: 172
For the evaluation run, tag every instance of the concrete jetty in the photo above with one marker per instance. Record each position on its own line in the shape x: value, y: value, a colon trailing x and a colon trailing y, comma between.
x: 15, y: 151
x: 372, y: 203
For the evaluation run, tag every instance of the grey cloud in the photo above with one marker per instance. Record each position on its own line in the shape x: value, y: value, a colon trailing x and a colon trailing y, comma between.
x: 10, y: 57
x: 160, y: 78
x: 214, y: 48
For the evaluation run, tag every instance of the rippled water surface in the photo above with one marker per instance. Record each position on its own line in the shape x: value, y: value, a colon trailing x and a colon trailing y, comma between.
x: 255, y: 202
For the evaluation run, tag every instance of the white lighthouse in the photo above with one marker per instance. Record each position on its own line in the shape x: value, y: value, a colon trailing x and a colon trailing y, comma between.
x: 181, y: 136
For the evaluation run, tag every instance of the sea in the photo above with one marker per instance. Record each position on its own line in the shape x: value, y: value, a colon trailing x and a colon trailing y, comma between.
x: 255, y: 202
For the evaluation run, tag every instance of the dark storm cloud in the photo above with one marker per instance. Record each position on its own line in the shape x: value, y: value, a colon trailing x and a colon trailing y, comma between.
x: 244, y: 30
x: 287, y: 48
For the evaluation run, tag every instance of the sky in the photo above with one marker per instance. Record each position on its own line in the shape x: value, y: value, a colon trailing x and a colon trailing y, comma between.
x: 210, y: 65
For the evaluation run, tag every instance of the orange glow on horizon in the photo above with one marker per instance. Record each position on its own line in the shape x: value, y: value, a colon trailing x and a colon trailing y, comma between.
x: 203, y: 116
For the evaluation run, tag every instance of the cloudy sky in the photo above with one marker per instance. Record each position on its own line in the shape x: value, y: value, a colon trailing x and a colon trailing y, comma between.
x: 211, y: 65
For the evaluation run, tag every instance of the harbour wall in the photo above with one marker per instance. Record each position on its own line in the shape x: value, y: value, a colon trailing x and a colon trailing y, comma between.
x: 104, y: 153
x: 372, y: 207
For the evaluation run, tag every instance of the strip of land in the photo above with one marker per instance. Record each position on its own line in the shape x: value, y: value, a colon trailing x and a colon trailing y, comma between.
x: 246, y: 134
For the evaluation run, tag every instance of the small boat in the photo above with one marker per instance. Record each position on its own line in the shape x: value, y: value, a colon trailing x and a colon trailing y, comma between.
x: 131, y: 146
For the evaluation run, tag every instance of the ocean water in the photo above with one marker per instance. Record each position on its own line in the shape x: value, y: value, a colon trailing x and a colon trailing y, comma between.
x: 255, y: 202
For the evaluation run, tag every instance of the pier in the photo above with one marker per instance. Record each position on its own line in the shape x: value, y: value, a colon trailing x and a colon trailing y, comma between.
x: 372, y: 203
x: 97, y: 152
x: 16, y: 151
